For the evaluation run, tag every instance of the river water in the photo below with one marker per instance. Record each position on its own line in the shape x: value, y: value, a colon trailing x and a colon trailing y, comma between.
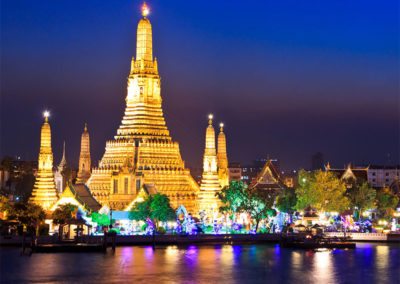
x: 368, y: 263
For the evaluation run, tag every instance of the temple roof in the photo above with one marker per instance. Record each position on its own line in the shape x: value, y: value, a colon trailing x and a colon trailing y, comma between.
x: 79, y: 193
x: 268, y: 178
x: 359, y: 174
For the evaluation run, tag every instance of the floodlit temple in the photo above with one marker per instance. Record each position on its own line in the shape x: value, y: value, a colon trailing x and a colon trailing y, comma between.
x: 143, y: 154
x: 210, y: 184
x: 215, y: 169
x: 44, y: 191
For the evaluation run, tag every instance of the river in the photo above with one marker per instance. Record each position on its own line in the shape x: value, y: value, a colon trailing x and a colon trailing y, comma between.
x: 368, y: 263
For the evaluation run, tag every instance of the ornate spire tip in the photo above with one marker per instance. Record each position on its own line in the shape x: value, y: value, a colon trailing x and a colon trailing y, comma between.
x: 210, y: 118
x: 46, y: 115
x: 145, y: 10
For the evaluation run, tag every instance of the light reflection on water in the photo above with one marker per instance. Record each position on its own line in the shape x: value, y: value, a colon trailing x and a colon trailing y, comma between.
x: 369, y: 263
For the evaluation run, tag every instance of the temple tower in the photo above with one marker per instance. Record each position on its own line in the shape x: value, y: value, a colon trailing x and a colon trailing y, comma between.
x: 210, y: 184
x: 44, y: 191
x: 143, y: 154
x: 84, y: 157
x: 222, y: 158
x: 60, y: 174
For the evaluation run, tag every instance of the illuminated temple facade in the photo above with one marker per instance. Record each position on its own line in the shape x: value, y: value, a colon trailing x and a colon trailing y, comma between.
x: 143, y: 154
x: 44, y: 191
x: 215, y: 169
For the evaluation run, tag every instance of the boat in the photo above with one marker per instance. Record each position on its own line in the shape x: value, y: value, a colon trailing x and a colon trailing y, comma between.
x: 309, y: 241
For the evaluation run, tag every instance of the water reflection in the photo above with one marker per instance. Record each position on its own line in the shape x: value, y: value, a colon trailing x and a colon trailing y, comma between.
x: 208, y: 264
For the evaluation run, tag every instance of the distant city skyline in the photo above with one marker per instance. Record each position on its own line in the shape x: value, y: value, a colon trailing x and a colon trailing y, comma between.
x: 284, y: 88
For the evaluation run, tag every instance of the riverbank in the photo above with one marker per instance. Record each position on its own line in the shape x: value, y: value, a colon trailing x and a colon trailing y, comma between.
x: 201, y: 239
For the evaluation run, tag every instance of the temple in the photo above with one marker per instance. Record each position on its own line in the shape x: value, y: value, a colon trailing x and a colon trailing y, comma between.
x: 60, y: 177
x: 210, y: 182
x: 84, y: 157
x: 222, y: 158
x: 143, y: 154
x: 44, y: 191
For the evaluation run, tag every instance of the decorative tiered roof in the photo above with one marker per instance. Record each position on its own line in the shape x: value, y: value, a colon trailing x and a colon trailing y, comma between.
x: 142, y: 154
x: 44, y: 191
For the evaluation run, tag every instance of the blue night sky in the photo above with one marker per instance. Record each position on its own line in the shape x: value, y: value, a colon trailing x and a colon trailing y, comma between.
x: 288, y: 78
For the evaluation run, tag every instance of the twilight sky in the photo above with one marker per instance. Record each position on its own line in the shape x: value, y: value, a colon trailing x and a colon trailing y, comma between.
x: 288, y: 78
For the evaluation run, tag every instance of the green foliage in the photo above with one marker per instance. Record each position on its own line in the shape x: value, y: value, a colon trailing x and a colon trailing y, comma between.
x: 237, y: 198
x: 286, y: 200
x: 26, y: 214
x: 64, y: 213
x: 101, y: 219
x: 156, y: 207
x: 362, y: 196
x: 322, y: 191
x: 386, y: 201
x: 259, y: 204
x: 161, y: 230
x: 115, y: 231
x: 233, y: 197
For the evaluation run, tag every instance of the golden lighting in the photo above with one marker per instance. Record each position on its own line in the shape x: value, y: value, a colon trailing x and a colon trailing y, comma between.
x: 143, y: 154
x: 145, y: 10
x: 221, y: 125
x: 44, y: 190
x: 210, y: 116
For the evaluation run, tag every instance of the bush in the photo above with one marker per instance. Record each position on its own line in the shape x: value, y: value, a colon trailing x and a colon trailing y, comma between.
x: 161, y: 231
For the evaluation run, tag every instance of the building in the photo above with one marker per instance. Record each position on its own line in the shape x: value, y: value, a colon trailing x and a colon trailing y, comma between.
x: 383, y: 176
x: 80, y: 196
x: 44, y: 191
x: 350, y: 175
x: 222, y: 158
x: 235, y: 171
x: 143, y: 154
x: 85, y: 162
x: 249, y: 173
x: 210, y: 181
x: 269, y: 178
x: 60, y: 175
x: 377, y: 176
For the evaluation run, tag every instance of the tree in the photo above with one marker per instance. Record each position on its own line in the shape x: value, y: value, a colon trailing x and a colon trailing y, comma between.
x: 233, y: 197
x: 101, y: 219
x: 286, y: 201
x: 156, y: 207
x: 237, y: 198
x: 28, y: 214
x: 64, y: 213
x: 322, y: 191
x: 259, y: 205
x: 362, y: 197
x: 386, y: 201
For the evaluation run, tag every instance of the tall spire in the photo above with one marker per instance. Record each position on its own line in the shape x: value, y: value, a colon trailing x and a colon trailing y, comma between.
x: 209, y: 182
x: 222, y: 158
x: 143, y: 154
x: 144, y: 41
x: 44, y: 191
x: 63, y: 162
x: 84, y: 157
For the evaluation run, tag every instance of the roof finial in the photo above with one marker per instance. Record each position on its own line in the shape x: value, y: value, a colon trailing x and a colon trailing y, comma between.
x: 210, y: 119
x: 221, y: 125
x: 46, y: 115
x: 145, y: 10
x: 85, y: 128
